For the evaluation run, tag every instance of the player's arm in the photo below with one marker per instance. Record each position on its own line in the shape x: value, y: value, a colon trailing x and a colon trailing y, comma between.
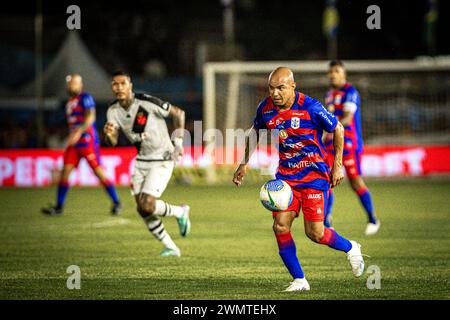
x: 111, y: 129
x: 75, y: 135
x: 327, y: 121
x: 347, y: 117
x: 350, y: 107
x: 179, y: 118
x: 326, y: 136
x: 251, y: 142
x: 337, y: 175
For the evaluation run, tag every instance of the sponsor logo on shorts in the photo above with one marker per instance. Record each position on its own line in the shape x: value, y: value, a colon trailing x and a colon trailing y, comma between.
x: 315, y: 196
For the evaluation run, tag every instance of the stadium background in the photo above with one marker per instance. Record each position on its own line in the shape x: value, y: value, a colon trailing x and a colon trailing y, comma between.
x: 165, y: 45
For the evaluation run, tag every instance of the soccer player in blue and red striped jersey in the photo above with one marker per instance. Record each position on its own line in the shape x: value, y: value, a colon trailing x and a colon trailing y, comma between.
x: 300, y: 121
x: 343, y: 100
x: 83, y: 142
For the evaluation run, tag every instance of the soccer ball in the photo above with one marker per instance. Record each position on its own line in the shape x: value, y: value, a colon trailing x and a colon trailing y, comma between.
x: 276, y: 195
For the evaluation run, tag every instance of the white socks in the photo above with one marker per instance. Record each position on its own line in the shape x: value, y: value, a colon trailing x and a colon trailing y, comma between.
x: 164, y: 209
x: 156, y: 227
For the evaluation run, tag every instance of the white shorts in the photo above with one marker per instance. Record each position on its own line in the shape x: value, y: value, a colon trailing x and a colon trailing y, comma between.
x: 151, y: 178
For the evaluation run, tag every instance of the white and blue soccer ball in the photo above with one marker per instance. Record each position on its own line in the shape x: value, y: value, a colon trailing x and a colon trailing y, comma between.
x: 276, y: 195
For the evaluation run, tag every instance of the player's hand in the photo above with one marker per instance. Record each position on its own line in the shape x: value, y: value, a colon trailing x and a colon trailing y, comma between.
x: 109, y: 129
x: 73, y: 138
x: 239, y: 174
x: 177, y: 153
x: 337, y: 175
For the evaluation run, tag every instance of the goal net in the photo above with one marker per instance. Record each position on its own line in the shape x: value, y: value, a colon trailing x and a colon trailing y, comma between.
x: 402, y: 101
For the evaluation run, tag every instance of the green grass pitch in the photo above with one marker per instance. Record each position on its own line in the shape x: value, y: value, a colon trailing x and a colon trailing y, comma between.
x: 231, y: 252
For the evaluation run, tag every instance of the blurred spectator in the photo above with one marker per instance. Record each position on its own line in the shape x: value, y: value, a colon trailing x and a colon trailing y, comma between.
x: 155, y: 69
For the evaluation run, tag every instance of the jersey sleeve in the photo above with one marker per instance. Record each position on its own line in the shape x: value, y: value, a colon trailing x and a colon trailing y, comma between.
x: 162, y: 108
x: 258, y: 121
x: 87, y: 102
x: 322, y: 117
x: 351, y: 100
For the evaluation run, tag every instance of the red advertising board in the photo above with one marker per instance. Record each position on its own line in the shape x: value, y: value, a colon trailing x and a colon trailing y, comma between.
x: 37, y: 167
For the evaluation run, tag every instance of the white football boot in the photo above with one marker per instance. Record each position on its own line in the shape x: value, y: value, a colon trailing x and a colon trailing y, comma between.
x: 355, y: 259
x: 184, y: 223
x: 299, y: 284
x: 372, y: 228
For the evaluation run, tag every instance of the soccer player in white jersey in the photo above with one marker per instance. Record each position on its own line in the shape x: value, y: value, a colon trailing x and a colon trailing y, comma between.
x: 141, y: 117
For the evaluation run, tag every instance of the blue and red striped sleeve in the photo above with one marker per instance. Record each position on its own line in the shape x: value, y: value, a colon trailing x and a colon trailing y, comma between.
x: 322, y: 118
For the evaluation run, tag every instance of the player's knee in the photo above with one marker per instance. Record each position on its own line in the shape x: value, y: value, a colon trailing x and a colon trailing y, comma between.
x: 357, y: 183
x: 146, y: 206
x: 354, y: 185
x: 314, y: 235
x: 141, y: 211
x: 279, y: 228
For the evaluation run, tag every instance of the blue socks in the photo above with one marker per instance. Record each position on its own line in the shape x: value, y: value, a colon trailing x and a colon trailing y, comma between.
x: 366, y: 201
x: 109, y: 187
x: 288, y: 253
x: 334, y: 240
x: 364, y: 197
x: 63, y: 187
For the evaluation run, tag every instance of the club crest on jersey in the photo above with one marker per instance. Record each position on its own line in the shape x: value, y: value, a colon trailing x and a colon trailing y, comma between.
x: 295, y: 123
x: 338, y: 99
x: 141, y: 119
